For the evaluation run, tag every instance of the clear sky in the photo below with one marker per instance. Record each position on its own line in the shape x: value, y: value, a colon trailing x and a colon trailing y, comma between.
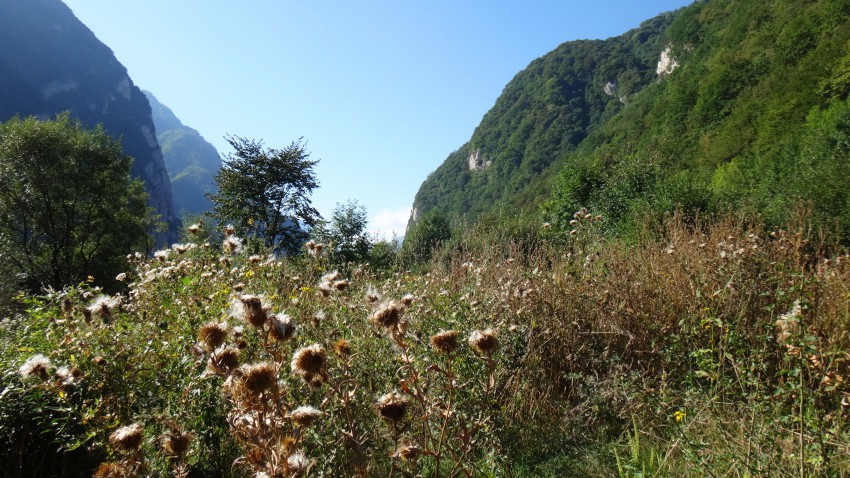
x: 381, y: 91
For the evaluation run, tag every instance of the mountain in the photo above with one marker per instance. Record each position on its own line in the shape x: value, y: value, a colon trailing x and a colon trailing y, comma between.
x: 546, y: 111
x: 50, y: 62
x: 728, y: 104
x: 192, y: 162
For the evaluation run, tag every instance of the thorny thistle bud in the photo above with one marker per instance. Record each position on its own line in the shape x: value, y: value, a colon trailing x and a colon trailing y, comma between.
x: 127, y: 438
x: 483, y: 341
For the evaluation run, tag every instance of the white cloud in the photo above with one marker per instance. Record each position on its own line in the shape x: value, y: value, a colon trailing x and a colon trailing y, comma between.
x: 385, y: 223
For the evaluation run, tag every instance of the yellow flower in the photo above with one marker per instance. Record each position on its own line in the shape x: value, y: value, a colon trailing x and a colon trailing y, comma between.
x: 249, y: 274
x: 679, y: 415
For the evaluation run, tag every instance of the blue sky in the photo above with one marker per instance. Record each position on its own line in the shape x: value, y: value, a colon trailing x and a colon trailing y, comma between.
x: 381, y: 91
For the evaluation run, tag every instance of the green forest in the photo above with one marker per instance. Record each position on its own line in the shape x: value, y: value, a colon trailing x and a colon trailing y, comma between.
x: 754, y: 116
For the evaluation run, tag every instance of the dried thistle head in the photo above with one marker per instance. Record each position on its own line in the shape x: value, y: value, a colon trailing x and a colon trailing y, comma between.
x: 259, y: 377
x: 392, y: 406
x: 309, y: 361
x: 445, y: 342
x: 298, y: 464
x: 281, y: 327
x: 68, y: 376
x: 103, y: 307
x: 372, y: 296
x: 194, y: 228
x: 112, y: 469
x: 483, y: 341
x: 314, y: 249
x: 387, y: 315
x: 128, y: 438
x: 407, y: 452
x: 212, y: 335
x: 342, y: 348
x: 36, y: 365
x: 408, y: 300
x: 251, y: 310
x: 224, y: 361
x: 305, y: 415
x: 175, y: 442
x: 231, y: 244
x: 67, y: 305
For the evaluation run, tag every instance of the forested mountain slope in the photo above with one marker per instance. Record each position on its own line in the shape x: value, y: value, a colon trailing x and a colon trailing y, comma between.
x: 191, y: 160
x: 725, y: 103
x: 542, y: 114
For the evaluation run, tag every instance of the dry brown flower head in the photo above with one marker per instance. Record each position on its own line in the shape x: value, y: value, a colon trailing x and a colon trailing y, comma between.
x: 127, y: 438
x: 445, y: 341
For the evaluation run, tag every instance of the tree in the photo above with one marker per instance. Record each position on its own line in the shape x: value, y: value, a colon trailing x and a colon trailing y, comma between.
x: 68, y: 205
x: 346, y: 233
x: 425, y: 236
x: 264, y: 192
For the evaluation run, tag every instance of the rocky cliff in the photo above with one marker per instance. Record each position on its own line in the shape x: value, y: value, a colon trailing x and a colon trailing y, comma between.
x: 50, y: 62
x: 192, y: 162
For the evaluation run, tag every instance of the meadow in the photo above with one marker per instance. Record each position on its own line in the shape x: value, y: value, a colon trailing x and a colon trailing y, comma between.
x: 694, y: 348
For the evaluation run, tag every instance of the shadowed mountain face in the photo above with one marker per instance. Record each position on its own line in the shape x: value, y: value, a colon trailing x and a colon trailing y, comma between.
x: 192, y: 162
x: 50, y: 62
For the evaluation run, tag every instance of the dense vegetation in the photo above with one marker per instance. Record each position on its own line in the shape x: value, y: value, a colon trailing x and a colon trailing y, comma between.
x: 755, y: 116
x: 701, y: 350
x: 682, y: 308
x: 68, y: 206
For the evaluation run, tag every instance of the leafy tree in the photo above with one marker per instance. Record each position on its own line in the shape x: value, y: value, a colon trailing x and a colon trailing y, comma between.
x: 264, y: 192
x: 68, y: 206
x: 426, y: 235
x: 346, y: 233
